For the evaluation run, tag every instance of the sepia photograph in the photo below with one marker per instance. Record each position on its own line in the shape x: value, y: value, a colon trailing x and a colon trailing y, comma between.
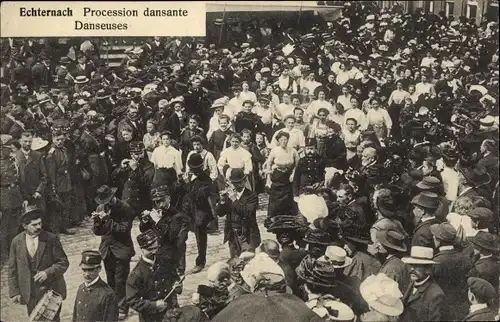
x: 296, y: 161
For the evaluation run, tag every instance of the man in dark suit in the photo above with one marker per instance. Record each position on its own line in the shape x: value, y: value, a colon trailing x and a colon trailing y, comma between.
x: 42, y: 72
x: 37, y: 262
x: 177, y: 48
x: 470, y: 180
x: 432, y: 184
x: 113, y: 221
x: 451, y: 272
x: 82, y: 67
x: 32, y: 171
x: 167, y: 119
x: 424, y: 207
x: 240, y: 206
x: 131, y: 120
x: 95, y: 300
x: 20, y: 73
x: 489, y: 160
x: 424, y: 298
x: 57, y: 163
x: 200, y: 190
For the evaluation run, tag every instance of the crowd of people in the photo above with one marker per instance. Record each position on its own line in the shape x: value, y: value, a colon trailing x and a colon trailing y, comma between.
x: 375, y: 138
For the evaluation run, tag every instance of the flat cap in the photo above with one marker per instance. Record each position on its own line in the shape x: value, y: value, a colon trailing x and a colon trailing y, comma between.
x: 481, y: 288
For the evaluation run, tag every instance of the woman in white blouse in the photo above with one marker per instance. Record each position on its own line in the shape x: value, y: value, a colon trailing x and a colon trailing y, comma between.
x: 246, y: 94
x: 315, y: 106
x: 396, y: 102
x: 425, y: 87
x: 296, y: 140
x: 235, y: 157
x: 379, y: 119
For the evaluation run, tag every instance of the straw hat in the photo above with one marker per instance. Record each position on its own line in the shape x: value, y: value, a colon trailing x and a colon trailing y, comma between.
x: 420, y: 256
x: 336, y: 256
x: 38, y: 143
x: 382, y: 294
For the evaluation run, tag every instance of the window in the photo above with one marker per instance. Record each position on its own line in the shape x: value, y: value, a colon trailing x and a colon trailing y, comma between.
x: 450, y: 9
x: 471, y: 9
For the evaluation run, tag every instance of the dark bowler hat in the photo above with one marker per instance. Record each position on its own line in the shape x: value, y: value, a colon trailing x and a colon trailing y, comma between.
x: 195, y: 161
x: 481, y: 288
x: 136, y: 147
x: 428, y: 183
x: 427, y: 200
x: 485, y: 240
x: 236, y: 175
x: 392, y: 239
x: 386, y: 206
x: 90, y: 259
x: 104, y: 194
x: 146, y: 239
x: 160, y: 192
x: 311, y: 142
x: 444, y: 231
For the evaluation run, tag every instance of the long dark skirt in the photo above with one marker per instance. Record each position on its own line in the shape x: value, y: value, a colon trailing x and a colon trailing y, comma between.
x: 281, y: 195
x: 394, y: 112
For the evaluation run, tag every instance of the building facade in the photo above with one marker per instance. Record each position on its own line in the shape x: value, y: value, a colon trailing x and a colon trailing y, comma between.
x: 478, y: 9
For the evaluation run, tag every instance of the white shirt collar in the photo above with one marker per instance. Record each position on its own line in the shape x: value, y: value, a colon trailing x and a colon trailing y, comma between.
x: 449, y: 247
x: 147, y: 260
x: 427, y: 219
x: 477, y: 307
x: 485, y: 256
x: 93, y: 282
x: 32, y: 238
x: 239, y: 194
x: 422, y: 282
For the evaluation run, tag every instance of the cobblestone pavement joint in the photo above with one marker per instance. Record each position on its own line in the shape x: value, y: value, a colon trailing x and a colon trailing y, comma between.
x: 85, y: 239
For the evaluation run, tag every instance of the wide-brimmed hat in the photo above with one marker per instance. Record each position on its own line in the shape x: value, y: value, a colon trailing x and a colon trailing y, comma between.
x: 420, y: 256
x: 217, y: 105
x: 178, y: 99
x: 476, y: 176
x: 332, y: 310
x: 104, y: 194
x: 38, y: 143
x: 318, y: 237
x: 428, y: 183
x: 285, y: 222
x: 195, y: 161
x: 28, y: 209
x: 336, y: 256
x: 316, y: 273
x: 481, y: 214
x: 427, y: 200
x: 103, y: 94
x: 81, y: 79
x: 486, y: 241
x: 236, y: 175
x: 444, y: 231
x: 90, y: 259
x: 382, y: 294
x: 357, y: 235
x: 386, y: 206
x: 392, y: 239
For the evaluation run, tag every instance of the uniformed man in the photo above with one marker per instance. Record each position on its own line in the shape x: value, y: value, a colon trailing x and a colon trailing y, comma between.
x: 150, y: 281
x: 171, y: 227
x: 95, y: 300
x: 10, y: 194
x: 139, y: 173
x: 310, y: 171
x: 57, y: 163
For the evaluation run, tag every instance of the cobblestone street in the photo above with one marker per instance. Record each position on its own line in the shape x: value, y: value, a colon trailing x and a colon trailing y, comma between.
x: 85, y: 239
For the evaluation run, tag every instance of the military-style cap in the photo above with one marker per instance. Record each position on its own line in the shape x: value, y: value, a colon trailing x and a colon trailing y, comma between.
x: 311, y: 142
x: 90, y: 259
x: 146, y: 239
x: 136, y: 147
x: 160, y: 192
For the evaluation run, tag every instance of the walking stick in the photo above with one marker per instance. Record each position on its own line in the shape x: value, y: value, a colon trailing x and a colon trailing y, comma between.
x: 176, y: 284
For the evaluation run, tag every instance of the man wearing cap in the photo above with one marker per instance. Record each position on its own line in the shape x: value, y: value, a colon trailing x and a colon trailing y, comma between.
x: 171, y: 227
x: 10, y: 194
x: 95, y: 300
x: 59, y: 187
x: 37, y: 262
x: 424, y: 298
x: 486, y: 267
x: 310, y: 170
x: 200, y: 195
x: 149, y: 282
x: 112, y: 220
x: 489, y: 159
x: 137, y: 173
x: 432, y: 184
x: 32, y: 171
x: 451, y: 272
x: 481, y: 297
x: 425, y: 205
x: 390, y: 246
x: 239, y: 205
